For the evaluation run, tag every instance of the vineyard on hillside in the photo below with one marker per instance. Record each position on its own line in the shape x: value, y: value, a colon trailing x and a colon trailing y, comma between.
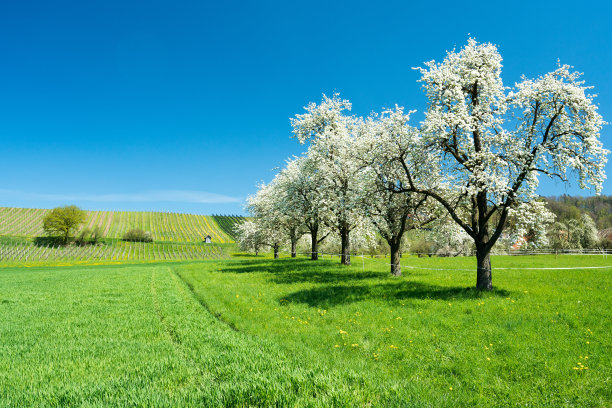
x: 229, y: 223
x: 164, y: 227
x: 27, y: 252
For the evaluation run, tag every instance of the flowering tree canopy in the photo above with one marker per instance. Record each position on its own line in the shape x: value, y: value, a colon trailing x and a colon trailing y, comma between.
x: 491, y: 144
x: 386, y: 143
x: 331, y: 134
x: 304, y: 200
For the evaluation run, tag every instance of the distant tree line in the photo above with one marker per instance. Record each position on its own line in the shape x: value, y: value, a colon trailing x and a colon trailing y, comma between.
x: 567, y: 207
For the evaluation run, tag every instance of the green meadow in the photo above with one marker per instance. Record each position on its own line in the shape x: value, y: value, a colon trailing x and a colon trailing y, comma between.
x: 253, y: 331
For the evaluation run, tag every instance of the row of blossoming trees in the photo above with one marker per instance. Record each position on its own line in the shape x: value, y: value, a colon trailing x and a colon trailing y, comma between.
x: 473, y: 164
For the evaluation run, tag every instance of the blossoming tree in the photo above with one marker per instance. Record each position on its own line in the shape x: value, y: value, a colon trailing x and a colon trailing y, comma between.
x: 492, y: 143
x: 331, y: 134
x: 303, y: 199
x: 267, y: 221
x: 386, y: 143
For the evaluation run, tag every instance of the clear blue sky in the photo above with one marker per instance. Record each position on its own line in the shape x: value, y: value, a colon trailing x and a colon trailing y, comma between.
x: 185, y: 106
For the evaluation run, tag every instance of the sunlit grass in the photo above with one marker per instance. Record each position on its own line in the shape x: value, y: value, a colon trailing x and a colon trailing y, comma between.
x: 254, y: 331
x: 541, y: 338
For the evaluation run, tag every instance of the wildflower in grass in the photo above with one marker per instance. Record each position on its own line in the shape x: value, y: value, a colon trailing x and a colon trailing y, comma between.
x: 342, y: 332
x: 337, y: 345
x: 354, y: 345
x: 581, y: 367
x: 393, y: 347
x: 488, y: 359
x: 450, y: 388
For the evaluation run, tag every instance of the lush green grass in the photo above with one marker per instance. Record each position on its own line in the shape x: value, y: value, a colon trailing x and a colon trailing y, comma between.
x: 542, y: 338
x: 292, y: 332
x: 136, y: 336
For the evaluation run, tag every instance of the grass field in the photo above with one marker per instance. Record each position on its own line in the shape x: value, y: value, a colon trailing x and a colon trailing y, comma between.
x: 175, y: 227
x: 252, y: 331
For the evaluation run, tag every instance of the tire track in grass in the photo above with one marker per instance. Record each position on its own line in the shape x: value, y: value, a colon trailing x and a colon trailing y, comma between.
x: 218, y: 316
x: 197, y: 376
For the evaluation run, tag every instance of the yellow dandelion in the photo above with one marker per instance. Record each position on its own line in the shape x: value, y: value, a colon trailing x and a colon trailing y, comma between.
x: 342, y: 332
x: 354, y: 345
x: 450, y: 388
x: 337, y: 345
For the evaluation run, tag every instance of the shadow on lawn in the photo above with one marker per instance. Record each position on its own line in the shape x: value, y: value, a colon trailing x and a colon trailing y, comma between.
x: 287, y: 271
x: 329, y: 296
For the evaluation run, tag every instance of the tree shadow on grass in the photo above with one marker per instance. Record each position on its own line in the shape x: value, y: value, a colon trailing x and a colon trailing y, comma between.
x: 265, y: 266
x: 46, y: 241
x: 329, y: 296
x: 288, y: 271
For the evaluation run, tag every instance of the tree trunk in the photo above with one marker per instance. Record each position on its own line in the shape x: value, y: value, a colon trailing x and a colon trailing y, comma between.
x: 483, y: 265
x: 276, y: 246
x: 314, y: 251
x: 346, y: 246
x: 294, y: 248
x: 396, y: 267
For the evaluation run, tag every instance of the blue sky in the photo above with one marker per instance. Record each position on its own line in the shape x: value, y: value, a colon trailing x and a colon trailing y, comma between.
x: 185, y: 106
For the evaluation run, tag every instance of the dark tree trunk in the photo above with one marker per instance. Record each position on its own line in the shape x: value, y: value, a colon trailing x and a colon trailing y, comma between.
x: 294, y: 248
x: 346, y: 246
x: 314, y: 251
x: 276, y: 247
x: 396, y: 267
x: 483, y: 268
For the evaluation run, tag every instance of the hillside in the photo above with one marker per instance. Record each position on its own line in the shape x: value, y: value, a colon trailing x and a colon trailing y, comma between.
x: 567, y: 207
x: 164, y: 227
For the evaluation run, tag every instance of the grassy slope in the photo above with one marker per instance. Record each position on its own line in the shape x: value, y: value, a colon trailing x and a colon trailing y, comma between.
x: 426, y: 336
x: 307, y: 334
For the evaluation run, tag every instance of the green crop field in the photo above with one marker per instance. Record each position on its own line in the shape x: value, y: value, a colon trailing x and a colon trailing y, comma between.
x: 252, y: 331
x: 176, y: 227
x: 27, y: 253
